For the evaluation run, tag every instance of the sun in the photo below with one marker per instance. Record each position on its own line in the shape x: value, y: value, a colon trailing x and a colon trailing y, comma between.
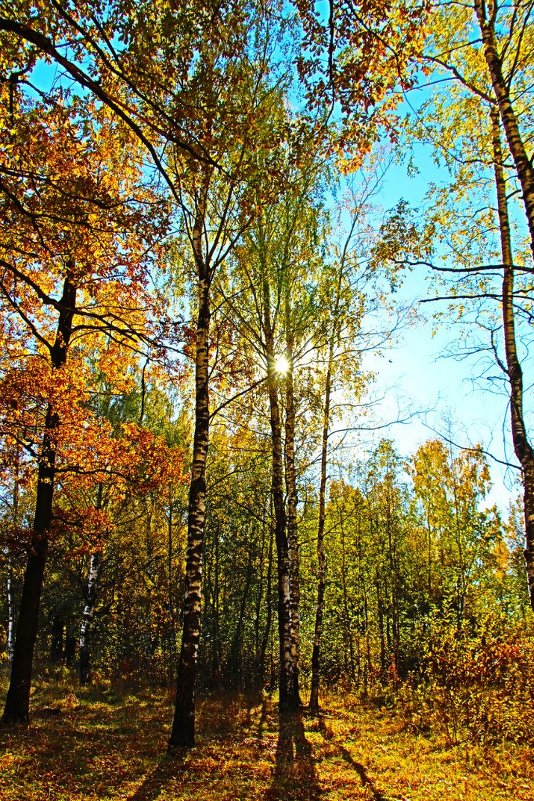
x: 281, y: 365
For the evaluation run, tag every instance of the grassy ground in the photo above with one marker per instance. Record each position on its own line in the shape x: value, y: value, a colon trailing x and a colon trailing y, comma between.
x: 92, y: 746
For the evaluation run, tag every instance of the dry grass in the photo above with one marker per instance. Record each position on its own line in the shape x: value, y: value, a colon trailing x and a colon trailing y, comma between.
x: 99, y: 746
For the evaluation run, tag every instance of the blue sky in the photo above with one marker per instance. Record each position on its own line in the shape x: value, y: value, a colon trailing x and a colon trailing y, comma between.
x: 415, y: 373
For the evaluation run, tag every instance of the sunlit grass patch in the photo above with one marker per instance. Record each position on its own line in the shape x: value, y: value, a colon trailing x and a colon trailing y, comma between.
x: 101, y: 746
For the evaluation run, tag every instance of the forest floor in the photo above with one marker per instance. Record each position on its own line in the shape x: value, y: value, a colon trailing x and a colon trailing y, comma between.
x: 98, y: 745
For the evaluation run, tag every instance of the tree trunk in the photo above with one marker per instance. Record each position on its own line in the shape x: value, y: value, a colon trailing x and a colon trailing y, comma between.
x: 288, y: 689
x: 10, y: 595
x: 292, y: 500
x: 170, y: 578
x: 349, y: 645
x: 522, y: 447
x: 268, y: 622
x: 321, y: 557
x: 183, y: 727
x: 394, y: 593
x: 259, y: 587
x: 89, y: 608
x: 10, y: 610
x: 18, y: 696
x: 523, y: 165
x: 381, y: 631
x: 368, y: 658
x: 215, y: 627
x: 87, y: 618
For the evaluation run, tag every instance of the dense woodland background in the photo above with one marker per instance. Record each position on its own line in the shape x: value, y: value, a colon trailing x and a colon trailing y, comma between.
x: 195, y: 275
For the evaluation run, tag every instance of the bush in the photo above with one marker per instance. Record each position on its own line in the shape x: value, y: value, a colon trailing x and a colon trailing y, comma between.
x: 476, y: 685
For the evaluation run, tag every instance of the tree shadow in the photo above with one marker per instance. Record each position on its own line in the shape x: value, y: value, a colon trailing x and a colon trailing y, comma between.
x: 367, y: 783
x: 169, y: 768
x: 376, y: 794
x: 295, y: 776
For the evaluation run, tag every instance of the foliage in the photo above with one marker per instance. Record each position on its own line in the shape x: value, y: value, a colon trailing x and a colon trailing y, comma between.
x: 175, y: 222
x: 473, y: 684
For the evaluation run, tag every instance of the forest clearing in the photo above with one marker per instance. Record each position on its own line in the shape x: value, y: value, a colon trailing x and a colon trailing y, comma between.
x: 112, y: 746
x: 223, y: 571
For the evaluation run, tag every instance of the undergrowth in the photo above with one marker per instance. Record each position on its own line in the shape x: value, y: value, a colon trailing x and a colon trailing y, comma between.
x: 98, y: 744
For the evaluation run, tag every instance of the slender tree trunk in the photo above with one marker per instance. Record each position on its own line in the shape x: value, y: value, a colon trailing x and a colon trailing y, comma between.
x: 259, y: 592
x: 10, y: 610
x: 17, y: 706
x: 321, y: 556
x: 10, y: 596
x: 269, y: 612
x: 183, y: 727
x: 292, y: 500
x: 349, y: 645
x: 394, y: 594
x: 170, y: 578
x: 368, y: 660
x: 89, y: 608
x: 364, y: 655
x: 289, y: 697
x: 288, y: 673
x: 381, y: 631
x: 461, y: 579
x: 429, y: 561
x: 523, y: 164
x: 522, y: 447
x: 87, y: 618
x: 215, y: 627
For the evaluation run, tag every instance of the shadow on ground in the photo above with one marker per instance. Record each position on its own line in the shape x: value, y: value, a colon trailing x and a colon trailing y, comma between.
x: 367, y: 783
x: 295, y: 775
x: 168, y: 769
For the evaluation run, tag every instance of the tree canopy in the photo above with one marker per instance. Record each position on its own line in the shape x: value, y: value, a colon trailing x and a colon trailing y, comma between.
x: 198, y: 279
